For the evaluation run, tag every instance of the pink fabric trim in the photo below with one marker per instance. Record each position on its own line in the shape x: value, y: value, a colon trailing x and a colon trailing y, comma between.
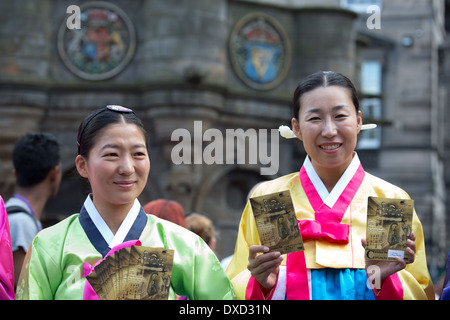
x: 296, y: 277
x: 89, y: 293
x: 327, y: 222
x: 254, y: 292
x: 332, y: 232
x: 6, y: 258
x: 391, y: 289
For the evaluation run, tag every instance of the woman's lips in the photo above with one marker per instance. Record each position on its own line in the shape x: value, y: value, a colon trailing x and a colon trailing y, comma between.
x: 330, y: 146
x: 125, y: 184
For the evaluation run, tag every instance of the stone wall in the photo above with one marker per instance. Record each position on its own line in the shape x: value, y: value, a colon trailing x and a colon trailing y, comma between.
x: 182, y: 71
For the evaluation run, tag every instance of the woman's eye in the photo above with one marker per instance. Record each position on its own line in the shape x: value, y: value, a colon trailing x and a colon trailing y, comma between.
x: 111, y: 154
x: 139, y: 154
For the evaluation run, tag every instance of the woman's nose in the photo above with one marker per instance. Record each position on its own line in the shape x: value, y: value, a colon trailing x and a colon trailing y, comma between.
x: 329, y: 128
x: 126, y: 166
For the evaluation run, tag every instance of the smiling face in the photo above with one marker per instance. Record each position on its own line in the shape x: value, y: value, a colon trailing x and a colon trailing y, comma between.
x: 117, y: 166
x: 328, y: 125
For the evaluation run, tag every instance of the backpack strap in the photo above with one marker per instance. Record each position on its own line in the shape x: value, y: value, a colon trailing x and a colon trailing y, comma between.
x: 16, y: 209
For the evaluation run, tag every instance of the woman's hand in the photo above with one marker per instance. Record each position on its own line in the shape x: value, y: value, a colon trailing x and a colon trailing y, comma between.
x: 388, y: 268
x: 264, y: 267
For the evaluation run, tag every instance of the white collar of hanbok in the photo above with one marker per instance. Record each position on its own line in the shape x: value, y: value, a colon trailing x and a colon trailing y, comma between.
x: 330, y: 198
x: 103, y: 228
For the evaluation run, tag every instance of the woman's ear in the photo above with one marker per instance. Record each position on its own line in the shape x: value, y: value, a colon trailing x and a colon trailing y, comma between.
x: 296, y: 128
x: 81, y: 165
x: 358, y: 122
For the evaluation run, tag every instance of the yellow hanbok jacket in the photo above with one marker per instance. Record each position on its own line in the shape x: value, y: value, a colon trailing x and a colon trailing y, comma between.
x: 413, y: 282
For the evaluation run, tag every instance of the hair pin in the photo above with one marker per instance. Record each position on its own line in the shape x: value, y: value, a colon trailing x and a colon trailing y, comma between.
x: 118, y: 108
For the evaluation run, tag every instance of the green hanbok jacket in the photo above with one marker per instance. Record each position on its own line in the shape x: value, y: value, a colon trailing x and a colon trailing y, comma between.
x: 53, y: 267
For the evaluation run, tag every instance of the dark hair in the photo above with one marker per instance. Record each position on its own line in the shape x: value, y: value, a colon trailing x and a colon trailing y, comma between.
x: 323, y: 79
x: 99, y: 119
x: 34, y: 156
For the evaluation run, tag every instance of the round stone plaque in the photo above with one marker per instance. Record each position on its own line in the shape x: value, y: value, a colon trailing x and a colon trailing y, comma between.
x: 260, y: 51
x: 103, y: 44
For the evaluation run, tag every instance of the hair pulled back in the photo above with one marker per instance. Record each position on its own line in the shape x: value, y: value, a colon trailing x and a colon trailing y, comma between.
x: 99, y: 119
x: 323, y: 79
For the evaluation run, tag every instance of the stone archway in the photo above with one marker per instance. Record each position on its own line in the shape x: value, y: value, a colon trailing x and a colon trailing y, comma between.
x: 222, y: 196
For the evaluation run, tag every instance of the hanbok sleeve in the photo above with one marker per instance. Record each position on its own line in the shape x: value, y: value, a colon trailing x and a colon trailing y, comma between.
x: 197, y: 273
x: 209, y: 271
x: 237, y: 269
x: 6, y: 259
x: 40, y: 275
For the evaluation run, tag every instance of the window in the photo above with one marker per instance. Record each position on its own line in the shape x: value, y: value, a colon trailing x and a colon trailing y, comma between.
x: 360, y: 6
x: 371, y: 78
x: 371, y: 110
x: 371, y: 103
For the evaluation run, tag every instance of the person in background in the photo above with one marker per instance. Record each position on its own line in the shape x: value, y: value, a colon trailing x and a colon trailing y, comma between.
x: 6, y: 258
x: 445, y: 294
x: 169, y: 210
x: 203, y: 227
x: 37, y: 169
x: 330, y: 196
x: 113, y: 157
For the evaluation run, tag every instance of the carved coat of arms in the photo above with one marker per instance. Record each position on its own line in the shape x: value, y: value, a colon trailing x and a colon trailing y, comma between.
x: 259, y: 51
x: 104, y: 44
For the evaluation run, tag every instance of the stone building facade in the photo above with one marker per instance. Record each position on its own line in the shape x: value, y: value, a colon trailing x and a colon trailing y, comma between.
x: 226, y: 65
